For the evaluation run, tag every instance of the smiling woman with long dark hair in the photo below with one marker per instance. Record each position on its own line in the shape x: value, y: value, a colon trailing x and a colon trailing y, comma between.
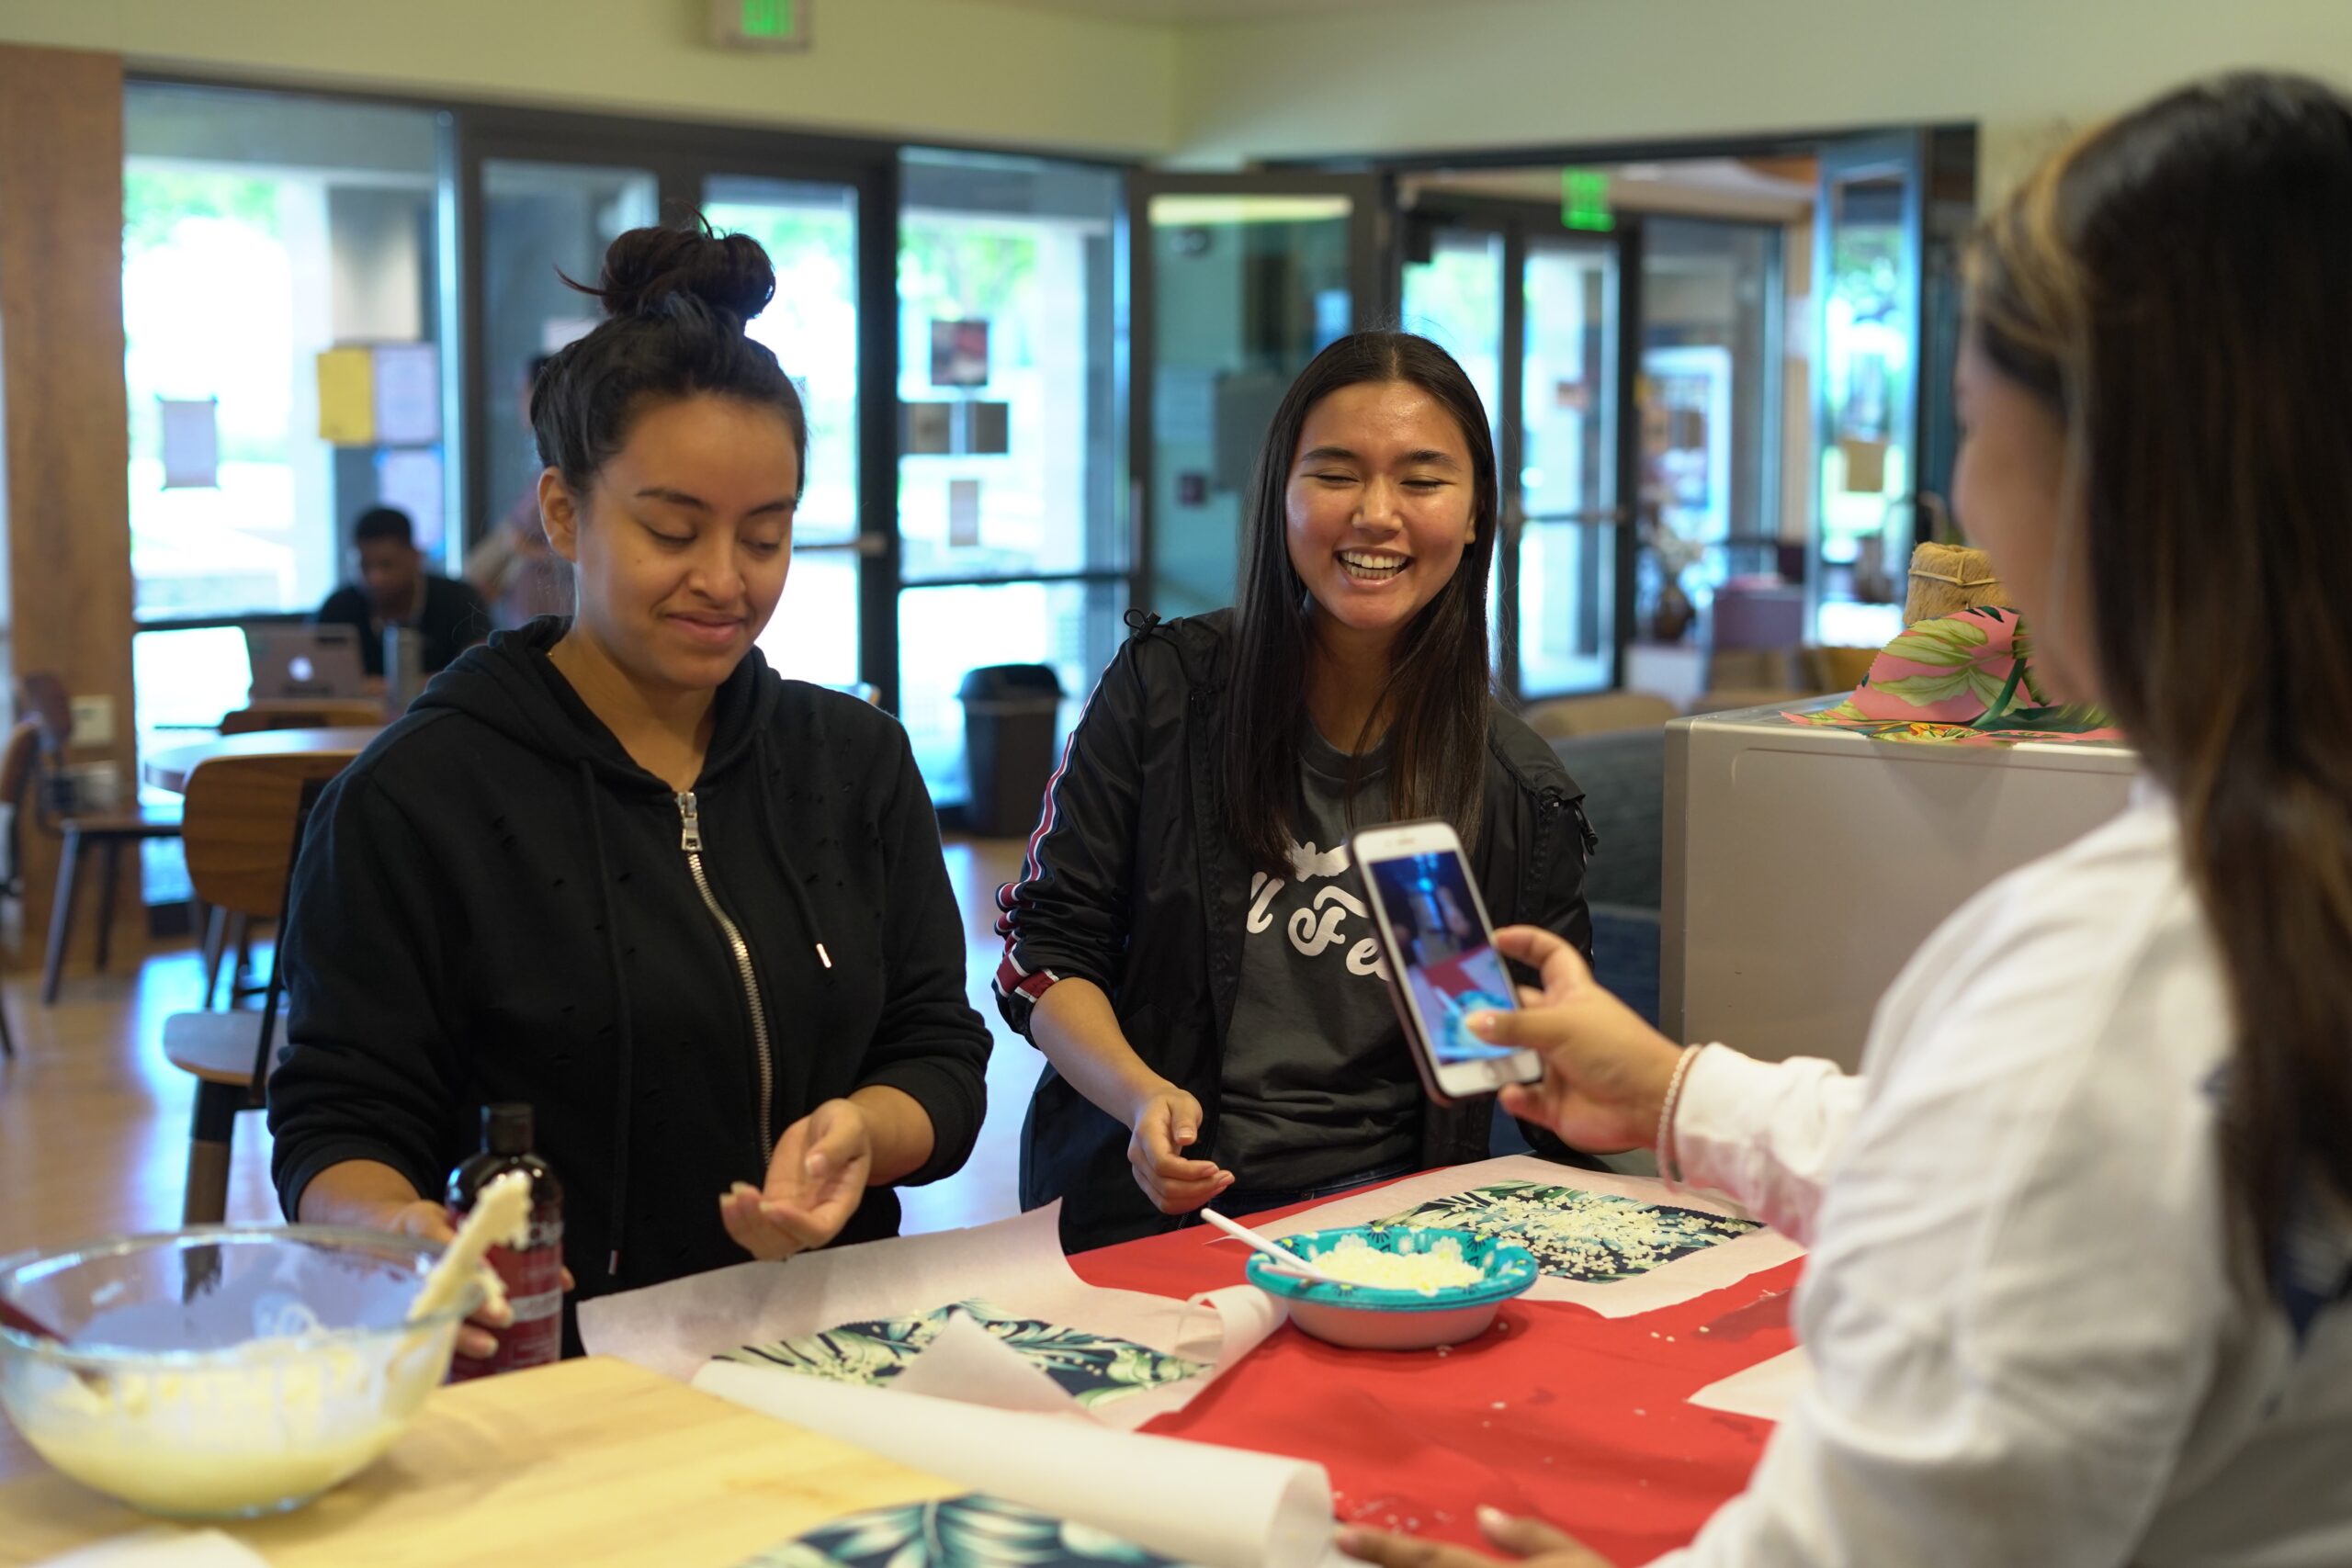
x: 1185, y: 945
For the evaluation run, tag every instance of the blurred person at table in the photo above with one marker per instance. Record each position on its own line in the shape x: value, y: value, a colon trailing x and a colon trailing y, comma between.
x: 694, y: 914
x: 2080, y: 1291
x: 1187, y: 944
x: 394, y: 590
x: 514, y: 567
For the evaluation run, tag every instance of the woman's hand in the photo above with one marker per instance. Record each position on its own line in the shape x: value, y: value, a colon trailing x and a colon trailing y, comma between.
x: 427, y: 1220
x: 1606, y: 1072
x: 1165, y: 1122
x: 1530, y: 1541
x: 816, y: 1180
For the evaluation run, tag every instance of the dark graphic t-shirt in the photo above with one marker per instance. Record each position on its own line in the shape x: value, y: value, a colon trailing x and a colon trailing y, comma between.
x: 1318, y: 1086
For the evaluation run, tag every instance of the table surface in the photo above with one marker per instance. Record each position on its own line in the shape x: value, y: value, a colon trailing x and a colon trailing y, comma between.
x: 625, y: 1467
x: 1556, y: 1412
x: 169, y: 768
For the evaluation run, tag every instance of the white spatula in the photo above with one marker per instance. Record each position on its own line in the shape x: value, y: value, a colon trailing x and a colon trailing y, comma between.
x: 1286, y: 1260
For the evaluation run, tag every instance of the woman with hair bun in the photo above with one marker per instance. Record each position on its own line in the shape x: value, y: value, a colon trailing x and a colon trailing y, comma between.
x: 614, y: 867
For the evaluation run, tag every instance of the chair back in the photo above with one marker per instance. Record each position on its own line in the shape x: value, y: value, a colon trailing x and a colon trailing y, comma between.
x: 239, y: 823
x: 16, y: 763
x: 323, y: 713
x: 41, y: 697
x: 17, y: 766
x: 1599, y: 714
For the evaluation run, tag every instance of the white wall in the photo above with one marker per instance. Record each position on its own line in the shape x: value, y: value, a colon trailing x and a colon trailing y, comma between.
x: 953, y: 70
x: 1515, y: 72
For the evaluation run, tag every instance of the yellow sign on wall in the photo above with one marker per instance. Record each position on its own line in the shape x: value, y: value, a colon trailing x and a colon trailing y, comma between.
x: 347, y: 397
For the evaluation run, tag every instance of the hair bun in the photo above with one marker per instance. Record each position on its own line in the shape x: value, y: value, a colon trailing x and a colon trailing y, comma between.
x: 647, y: 268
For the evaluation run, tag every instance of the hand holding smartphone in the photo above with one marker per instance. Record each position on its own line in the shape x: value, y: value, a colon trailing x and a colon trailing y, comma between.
x: 1443, y: 965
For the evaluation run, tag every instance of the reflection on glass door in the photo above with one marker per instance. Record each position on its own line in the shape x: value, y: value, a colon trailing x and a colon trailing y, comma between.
x: 1011, y: 496
x: 809, y: 230
x: 1239, y: 282
x: 1568, y: 478
x: 1454, y: 296
x: 542, y: 222
x: 1546, y: 363
x: 1868, y: 250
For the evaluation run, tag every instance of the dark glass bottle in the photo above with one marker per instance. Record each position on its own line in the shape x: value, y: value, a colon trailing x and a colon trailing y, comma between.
x: 533, y: 1273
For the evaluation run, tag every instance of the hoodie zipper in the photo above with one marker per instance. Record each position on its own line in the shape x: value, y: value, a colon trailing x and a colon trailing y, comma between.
x: 690, y: 840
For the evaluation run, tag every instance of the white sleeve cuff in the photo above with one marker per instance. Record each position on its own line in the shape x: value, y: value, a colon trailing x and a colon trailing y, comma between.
x: 1763, y: 1134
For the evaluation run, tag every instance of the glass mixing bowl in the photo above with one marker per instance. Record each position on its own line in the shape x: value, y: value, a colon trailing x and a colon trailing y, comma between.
x: 222, y: 1372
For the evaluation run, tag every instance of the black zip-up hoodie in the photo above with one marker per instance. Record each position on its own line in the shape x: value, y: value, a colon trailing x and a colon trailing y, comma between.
x: 494, y: 903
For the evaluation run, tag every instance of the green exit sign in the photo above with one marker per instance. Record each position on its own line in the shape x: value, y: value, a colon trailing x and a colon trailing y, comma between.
x: 1584, y: 200
x: 760, y: 24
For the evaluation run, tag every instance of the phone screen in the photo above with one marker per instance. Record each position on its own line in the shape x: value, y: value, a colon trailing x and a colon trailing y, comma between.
x: 1451, y: 969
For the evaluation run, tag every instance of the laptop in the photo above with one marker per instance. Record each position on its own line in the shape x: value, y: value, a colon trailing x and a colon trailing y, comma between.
x: 305, y: 662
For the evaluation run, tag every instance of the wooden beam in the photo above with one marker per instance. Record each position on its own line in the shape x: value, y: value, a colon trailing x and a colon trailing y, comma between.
x: 64, y: 502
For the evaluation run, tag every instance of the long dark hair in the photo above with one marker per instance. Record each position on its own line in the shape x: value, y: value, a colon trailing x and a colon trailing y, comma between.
x: 2176, y: 285
x: 1436, y: 697
x: 675, y: 300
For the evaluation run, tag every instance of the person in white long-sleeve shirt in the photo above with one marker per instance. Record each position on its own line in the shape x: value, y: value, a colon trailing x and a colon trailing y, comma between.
x: 2080, y: 1283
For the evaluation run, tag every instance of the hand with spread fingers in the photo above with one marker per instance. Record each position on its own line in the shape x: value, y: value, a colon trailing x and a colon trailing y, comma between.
x: 1606, y: 1072
x: 1165, y: 1124
x: 816, y: 1180
x: 1528, y: 1542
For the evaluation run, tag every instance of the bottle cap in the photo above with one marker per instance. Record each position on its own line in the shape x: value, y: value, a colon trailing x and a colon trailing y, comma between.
x: 506, y: 1128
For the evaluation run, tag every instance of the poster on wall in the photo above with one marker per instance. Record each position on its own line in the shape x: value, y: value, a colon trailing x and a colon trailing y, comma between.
x: 191, y: 443
x: 959, y: 354
x: 407, y: 394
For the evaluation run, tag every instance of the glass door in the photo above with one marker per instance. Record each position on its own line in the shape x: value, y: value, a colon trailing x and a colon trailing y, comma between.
x: 1869, y: 238
x: 1238, y: 281
x: 1012, y: 461
x: 1534, y: 315
x: 540, y: 223
x: 540, y: 196
x: 809, y: 230
x: 1570, y: 531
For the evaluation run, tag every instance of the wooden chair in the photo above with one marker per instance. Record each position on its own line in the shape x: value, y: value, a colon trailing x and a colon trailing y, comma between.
x: 220, y: 933
x: 41, y: 697
x: 17, y: 764
x: 242, y: 826
x: 323, y: 712
x: 1558, y: 718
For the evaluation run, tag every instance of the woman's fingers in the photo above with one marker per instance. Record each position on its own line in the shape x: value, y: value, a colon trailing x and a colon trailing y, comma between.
x: 1404, y: 1552
x: 1531, y: 1538
x: 1561, y: 966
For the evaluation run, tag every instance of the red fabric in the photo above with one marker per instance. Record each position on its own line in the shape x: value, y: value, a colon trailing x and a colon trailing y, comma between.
x: 1555, y: 1412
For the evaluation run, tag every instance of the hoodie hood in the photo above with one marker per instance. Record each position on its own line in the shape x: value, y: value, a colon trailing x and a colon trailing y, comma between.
x: 510, y: 684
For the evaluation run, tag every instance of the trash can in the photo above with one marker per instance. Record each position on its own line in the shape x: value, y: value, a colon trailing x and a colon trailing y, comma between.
x: 1009, y: 715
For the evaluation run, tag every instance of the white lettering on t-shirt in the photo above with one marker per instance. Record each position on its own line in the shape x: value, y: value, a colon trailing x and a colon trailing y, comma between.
x: 1322, y: 923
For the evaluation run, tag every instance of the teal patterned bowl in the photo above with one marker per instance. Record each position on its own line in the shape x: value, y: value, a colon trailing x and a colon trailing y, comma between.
x: 1370, y: 1317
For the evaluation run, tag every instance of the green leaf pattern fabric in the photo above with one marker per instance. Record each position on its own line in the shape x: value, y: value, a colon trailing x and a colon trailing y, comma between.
x: 971, y: 1531
x: 1093, y: 1369
x: 1593, y: 1237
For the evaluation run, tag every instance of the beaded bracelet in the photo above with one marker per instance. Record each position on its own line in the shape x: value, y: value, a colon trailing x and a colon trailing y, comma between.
x: 1666, y: 1165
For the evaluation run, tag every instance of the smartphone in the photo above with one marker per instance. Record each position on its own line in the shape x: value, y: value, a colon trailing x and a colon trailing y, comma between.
x: 1443, y: 965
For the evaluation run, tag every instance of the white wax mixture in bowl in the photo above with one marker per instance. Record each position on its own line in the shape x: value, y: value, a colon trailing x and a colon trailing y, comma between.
x: 226, y: 1375
x: 1441, y: 1268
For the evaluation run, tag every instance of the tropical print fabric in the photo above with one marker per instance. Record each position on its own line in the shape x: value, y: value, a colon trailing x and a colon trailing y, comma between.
x: 971, y: 1531
x: 1592, y: 1237
x: 1093, y: 1369
x: 1964, y: 677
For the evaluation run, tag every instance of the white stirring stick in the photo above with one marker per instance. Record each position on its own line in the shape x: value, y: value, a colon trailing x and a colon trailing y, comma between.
x: 502, y: 1213
x: 1289, y: 1262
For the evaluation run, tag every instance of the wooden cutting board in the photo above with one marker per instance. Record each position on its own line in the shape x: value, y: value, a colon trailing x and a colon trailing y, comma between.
x: 587, y: 1462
